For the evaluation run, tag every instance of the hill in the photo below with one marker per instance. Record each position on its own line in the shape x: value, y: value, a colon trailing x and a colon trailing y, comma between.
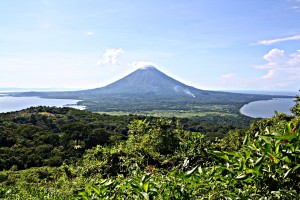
x: 49, y: 136
x: 157, y: 160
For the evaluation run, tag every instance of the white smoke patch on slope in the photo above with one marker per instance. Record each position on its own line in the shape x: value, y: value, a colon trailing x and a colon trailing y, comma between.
x: 186, y: 91
x: 179, y: 89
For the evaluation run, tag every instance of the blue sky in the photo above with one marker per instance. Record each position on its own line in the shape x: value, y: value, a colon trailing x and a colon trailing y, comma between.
x: 209, y: 44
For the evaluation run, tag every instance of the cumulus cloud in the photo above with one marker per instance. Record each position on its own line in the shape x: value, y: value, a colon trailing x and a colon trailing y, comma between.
x: 110, y: 56
x: 89, y: 33
x: 268, y: 42
x: 274, y: 55
x: 281, y: 66
x: 142, y: 64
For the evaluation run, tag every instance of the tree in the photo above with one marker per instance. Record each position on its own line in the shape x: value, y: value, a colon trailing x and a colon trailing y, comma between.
x: 76, y: 131
x: 97, y: 136
x: 296, y: 108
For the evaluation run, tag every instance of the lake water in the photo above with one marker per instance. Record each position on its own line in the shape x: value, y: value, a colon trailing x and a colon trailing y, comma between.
x: 8, y: 103
x: 266, y: 109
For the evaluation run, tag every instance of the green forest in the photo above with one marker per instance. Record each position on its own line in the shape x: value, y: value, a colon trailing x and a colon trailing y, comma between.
x: 64, y: 153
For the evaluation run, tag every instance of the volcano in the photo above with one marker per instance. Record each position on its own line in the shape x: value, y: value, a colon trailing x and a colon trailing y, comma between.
x: 147, y: 81
x: 148, y: 88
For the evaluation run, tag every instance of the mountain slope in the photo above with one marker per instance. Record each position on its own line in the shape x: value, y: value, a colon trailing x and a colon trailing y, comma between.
x: 147, y: 81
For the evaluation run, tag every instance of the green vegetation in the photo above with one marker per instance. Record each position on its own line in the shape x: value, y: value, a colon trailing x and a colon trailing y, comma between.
x: 157, y: 158
x: 171, y: 113
x: 206, y: 103
x: 48, y: 136
x: 226, y: 104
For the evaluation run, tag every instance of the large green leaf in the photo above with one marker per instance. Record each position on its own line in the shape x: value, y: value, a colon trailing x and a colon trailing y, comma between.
x: 242, y: 176
x: 258, y: 164
x: 246, y: 139
x: 236, y: 154
x: 266, y: 138
x: 219, y: 154
x: 288, y: 128
x: 285, y: 137
x: 287, y: 173
x: 277, y: 147
x: 241, y: 164
x: 200, y: 170
x: 296, y: 167
x: 190, y: 172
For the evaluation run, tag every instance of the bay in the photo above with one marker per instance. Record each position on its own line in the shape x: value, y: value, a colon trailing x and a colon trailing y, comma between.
x: 9, y: 103
x: 266, y: 109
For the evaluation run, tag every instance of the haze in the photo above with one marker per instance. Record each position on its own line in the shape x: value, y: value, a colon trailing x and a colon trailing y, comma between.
x: 221, y: 45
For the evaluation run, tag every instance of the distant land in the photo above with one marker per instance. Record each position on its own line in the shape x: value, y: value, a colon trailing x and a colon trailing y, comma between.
x: 17, y: 89
x: 266, y: 92
x: 148, y: 90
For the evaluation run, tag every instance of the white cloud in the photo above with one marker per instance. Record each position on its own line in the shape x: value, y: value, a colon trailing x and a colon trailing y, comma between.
x: 281, y: 67
x: 89, y: 33
x: 295, y: 58
x: 268, y: 42
x: 142, y: 64
x: 230, y: 75
x: 110, y: 56
x: 274, y: 56
x: 270, y: 74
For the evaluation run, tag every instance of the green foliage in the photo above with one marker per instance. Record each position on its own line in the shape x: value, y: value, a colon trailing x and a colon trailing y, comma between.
x: 296, y: 108
x: 48, y: 136
x: 155, y: 159
x: 268, y: 163
x: 260, y: 165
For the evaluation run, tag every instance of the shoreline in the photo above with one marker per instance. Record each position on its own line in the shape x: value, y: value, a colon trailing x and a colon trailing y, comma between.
x: 267, y: 108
